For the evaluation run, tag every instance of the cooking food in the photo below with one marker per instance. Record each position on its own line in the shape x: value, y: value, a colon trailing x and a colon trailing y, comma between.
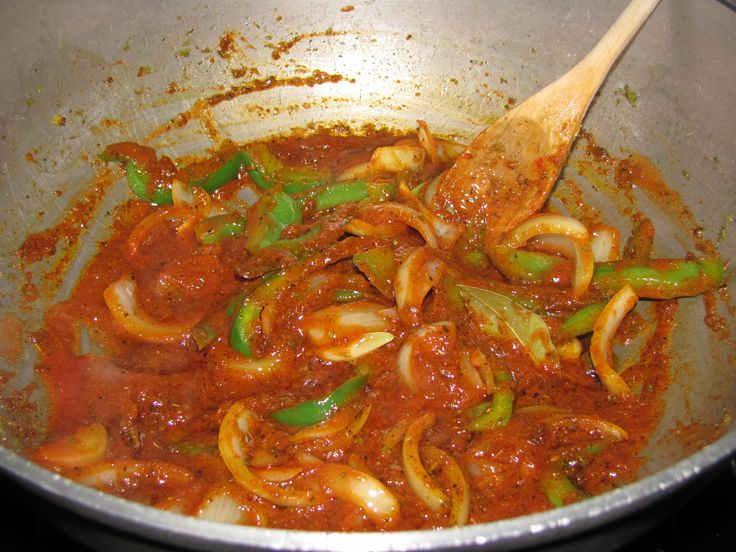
x: 285, y: 334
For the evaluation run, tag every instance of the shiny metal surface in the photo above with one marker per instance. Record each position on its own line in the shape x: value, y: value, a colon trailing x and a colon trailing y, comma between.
x: 453, y: 64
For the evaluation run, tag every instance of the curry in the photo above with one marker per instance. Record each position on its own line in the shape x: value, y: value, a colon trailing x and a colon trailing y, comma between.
x: 285, y: 334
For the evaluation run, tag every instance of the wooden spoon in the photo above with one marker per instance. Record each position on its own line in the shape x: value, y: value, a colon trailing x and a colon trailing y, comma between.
x: 507, y: 172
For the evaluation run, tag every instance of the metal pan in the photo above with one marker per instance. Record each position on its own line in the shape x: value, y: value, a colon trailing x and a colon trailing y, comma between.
x: 79, y: 74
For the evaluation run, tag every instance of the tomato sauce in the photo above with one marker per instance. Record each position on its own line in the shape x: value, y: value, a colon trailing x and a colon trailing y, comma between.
x: 163, y: 401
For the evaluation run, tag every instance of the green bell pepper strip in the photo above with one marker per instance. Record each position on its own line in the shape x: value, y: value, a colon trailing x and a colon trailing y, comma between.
x: 380, y: 192
x: 559, y: 489
x: 660, y: 278
x: 247, y: 317
x: 379, y: 266
x: 285, y: 211
x: 528, y: 266
x: 234, y: 303
x: 229, y: 171
x: 476, y: 259
x: 301, y: 187
x: 651, y: 279
x: 215, y: 229
x: 244, y: 326
x: 341, y: 295
x: 296, y: 246
x: 138, y: 180
x: 555, y: 482
x: 333, y: 195
x: 497, y: 411
x: 276, y: 213
x: 301, y: 179
x: 137, y: 176
x: 582, y: 321
x: 312, y: 412
x: 264, y: 166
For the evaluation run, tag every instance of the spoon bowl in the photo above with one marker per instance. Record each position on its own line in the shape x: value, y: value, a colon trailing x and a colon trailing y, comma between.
x: 508, y: 171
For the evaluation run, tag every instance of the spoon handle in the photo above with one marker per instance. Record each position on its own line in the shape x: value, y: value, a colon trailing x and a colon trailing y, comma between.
x: 561, y: 106
x: 596, y: 65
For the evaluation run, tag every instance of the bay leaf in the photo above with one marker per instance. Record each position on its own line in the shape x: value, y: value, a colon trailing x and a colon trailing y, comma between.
x: 496, y: 312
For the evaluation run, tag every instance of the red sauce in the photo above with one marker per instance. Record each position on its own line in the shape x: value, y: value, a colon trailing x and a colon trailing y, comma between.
x: 162, y: 403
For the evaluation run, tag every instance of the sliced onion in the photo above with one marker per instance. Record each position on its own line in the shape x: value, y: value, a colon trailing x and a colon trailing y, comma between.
x: 605, y: 242
x: 222, y: 508
x: 359, y: 170
x: 256, y: 366
x: 236, y: 432
x: 356, y: 348
x: 448, y: 150
x: 174, y: 504
x: 583, y: 267
x: 428, y: 142
x: 324, y: 326
x: 182, y: 195
x: 405, y: 358
x: 345, y: 419
x: 84, y: 447
x: 168, y: 216
x: 589, y: 423
x: 410, y: 217
x: 577, y: 249
x: 393, y: 437
x: 459, y: 490
x: 278, y: 474
x: 357, y: 424
x: 397, y: 158
x: 545, y: 224
x: 406, y: 156
x: 431, y: 189
x: 110, y: 473
x: 230, y: 503
x: 470, y: 372
x: 446, y: 233
x: 601, y: 345
x: 120, y: 299
x: 477, y: 370
x: 418, y: 274
x: 358, y: 227
x: 361, y: 489
x: 417, y: 477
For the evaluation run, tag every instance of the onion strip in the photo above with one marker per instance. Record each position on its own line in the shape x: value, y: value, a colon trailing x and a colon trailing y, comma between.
x: 131, y: 472
x: 610, y: 429
x: 545, y: 224
x: 601, y: 345
x: 120, y: 299
x: 84, y: 447
x: 235, y: 434
x: 564, y: 235
x: 409, y: 216
x: 415, y: 277
x: 417, y: 477
x: 459, y: 489
x: 605, y: 242
x: 362, y: 490
x: 350, y: 420
x: 405, y: 358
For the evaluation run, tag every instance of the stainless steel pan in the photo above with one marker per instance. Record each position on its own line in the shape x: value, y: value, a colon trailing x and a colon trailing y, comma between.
x: 110, y: 71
